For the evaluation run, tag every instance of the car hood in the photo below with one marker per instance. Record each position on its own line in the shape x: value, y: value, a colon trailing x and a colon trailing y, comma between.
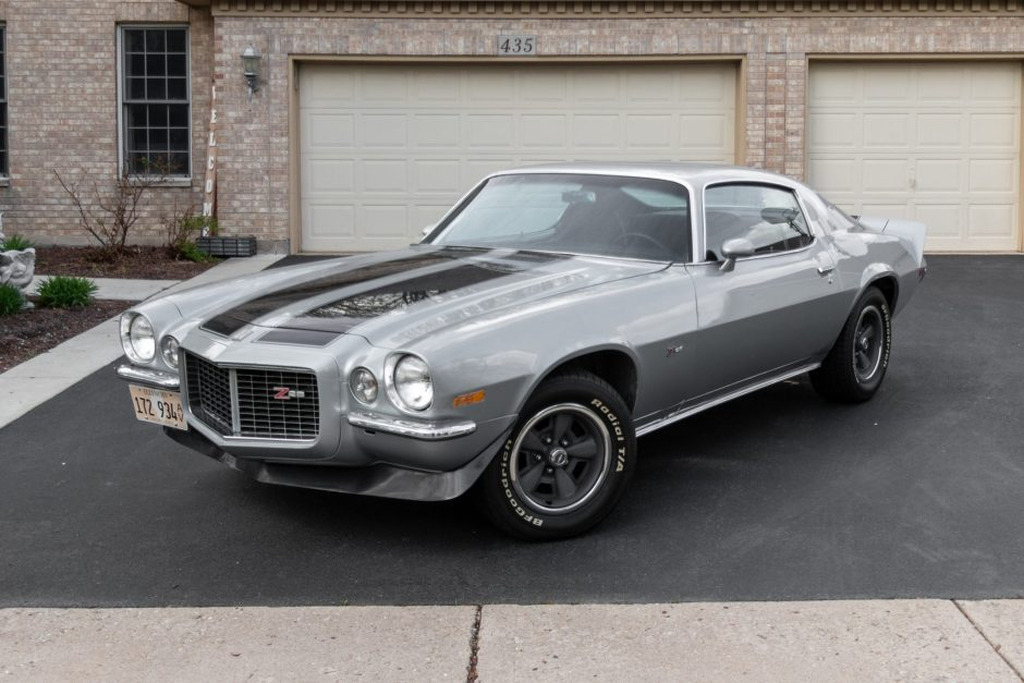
x: 407, y: 294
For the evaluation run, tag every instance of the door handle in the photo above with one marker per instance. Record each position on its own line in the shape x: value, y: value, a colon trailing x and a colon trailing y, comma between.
x: 825, y: 270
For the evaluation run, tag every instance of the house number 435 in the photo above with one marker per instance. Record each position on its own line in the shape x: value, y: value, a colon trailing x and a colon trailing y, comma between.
x: 517, y: 46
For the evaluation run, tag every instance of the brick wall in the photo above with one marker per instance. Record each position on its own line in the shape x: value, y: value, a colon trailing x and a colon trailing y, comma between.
x: 62, y: 104
x: 254, y: 191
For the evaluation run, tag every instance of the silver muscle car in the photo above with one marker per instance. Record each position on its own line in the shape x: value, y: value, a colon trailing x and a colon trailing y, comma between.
x: 550, y: 318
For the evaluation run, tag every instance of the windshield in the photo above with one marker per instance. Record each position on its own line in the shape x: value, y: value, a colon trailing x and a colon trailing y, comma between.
x: 577, y: 214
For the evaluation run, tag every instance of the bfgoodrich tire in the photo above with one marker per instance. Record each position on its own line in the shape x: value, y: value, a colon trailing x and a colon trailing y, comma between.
x: 566, y: 463
x: 855, y: 367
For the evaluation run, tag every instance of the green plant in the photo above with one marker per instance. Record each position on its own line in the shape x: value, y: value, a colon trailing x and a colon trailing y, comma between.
x: 190, y: 251
x: 66, y: 292
x: 182, y: 229
x: 15, y: 243
x: 11, y: 299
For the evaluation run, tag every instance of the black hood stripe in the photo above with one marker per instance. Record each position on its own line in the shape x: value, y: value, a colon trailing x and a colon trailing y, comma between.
x: 230, y: 321
x: 342, y: 315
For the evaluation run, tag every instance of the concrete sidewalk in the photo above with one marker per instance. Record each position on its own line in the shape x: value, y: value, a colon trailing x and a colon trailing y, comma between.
x: 790, y: 641
x: 899, y: 640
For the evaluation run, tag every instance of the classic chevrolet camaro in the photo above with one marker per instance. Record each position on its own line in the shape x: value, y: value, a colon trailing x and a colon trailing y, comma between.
x: 550, y: 318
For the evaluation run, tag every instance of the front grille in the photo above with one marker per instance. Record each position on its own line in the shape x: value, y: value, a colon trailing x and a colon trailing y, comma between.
x: 278, y: 404
x: 261, y: 403
x: 209, y: 393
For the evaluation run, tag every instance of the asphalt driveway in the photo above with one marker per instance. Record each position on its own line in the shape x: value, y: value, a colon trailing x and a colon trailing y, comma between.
x: 778, y: 496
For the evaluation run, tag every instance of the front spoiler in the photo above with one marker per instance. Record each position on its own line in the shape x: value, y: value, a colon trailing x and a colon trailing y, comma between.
x: 380, y: 480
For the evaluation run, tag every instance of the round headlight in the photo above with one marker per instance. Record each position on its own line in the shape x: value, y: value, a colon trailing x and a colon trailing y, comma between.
x: 412, y: 383
x: 137, y: 338
x: 169, y: 351
x: 363, y: 385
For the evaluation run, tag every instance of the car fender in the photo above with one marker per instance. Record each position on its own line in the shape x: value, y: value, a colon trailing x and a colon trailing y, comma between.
x: 874, y: 273
x: 508, y: 395
x: 557, y: 363
x: 574, y: 327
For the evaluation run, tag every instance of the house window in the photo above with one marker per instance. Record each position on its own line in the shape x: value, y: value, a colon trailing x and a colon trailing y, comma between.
x: 3, y: 102
x: 155, y: 104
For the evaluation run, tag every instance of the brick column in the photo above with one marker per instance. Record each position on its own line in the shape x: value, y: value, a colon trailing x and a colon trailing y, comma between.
x: 755, y: 113
x: 796, y: 104
x: 775, y: 112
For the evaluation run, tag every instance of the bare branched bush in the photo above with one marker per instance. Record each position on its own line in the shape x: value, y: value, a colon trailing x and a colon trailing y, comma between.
x: 108, y: 212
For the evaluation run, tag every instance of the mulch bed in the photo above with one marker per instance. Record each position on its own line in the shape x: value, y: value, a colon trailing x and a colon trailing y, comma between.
x: 29, y: 333
x: 139, y: 263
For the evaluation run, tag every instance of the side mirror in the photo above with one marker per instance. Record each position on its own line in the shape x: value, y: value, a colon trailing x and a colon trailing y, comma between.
x: 778, y: 215
x: 426, y: 231
x: 733, y: 249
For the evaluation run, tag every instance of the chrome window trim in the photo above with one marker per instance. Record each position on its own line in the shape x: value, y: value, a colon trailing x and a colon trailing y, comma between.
x: 778, y: 186
x: 439, y: 228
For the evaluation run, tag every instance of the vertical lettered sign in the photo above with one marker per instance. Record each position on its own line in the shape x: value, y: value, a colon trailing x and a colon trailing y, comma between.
x: 210, y: 186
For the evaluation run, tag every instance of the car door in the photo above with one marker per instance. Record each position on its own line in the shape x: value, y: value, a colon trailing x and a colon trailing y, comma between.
x: 767, y: 313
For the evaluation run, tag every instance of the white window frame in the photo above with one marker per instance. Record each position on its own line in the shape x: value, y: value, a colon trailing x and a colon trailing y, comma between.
x: 5, y: 136
x: 122, y: 141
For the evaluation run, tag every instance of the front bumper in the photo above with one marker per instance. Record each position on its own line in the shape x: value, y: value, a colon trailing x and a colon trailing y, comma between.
x: 414, y: 429
x: 381, y: 480
x: 425, y: 431
x: 346, y: 434
x: 152, y: 378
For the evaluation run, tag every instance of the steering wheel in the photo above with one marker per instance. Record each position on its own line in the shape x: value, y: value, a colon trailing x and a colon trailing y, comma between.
x: 627, y: 237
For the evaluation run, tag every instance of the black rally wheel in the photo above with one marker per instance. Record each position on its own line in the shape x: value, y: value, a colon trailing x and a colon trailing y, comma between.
x: 855, y: 367
x: 566, y: 463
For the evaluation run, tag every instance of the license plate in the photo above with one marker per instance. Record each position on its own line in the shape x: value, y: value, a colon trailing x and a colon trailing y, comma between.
x: 158, y: 406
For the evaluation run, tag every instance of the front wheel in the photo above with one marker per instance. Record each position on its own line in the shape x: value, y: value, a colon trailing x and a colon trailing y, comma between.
x: 853, y: 370
x: 566, y: 463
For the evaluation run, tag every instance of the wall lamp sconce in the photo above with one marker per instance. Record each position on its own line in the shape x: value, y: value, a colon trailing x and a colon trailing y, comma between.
x: 251, y: 69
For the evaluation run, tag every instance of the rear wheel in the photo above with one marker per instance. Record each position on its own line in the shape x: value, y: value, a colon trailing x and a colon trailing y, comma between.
x: 566, y: 463
x: 855, y: 367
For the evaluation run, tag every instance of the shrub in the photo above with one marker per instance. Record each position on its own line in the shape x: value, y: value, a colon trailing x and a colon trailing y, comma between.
x: 15, y: 243
x: 182, y: 229
x: 190, y: 251
x: 66, y: 292
x: 11, y: 299
x: 109, y: 212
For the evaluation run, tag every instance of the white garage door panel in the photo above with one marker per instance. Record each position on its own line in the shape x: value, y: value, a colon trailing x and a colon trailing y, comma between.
x: 386, y: 149
x: 939, y: 143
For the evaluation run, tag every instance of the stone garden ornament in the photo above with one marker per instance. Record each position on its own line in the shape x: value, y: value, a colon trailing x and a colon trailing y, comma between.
x: 17, y: 266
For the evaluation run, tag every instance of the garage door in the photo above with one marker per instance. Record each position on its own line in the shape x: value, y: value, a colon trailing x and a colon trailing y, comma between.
x: 937, y: 143
x: 386, y: 149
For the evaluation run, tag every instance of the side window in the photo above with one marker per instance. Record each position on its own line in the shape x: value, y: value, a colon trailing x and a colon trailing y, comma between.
x: 835, y: 218
x: 770, y: 217
x: 817, y: 211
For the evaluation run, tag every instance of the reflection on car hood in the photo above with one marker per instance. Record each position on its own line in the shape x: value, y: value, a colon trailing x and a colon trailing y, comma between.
x: 420, y: 288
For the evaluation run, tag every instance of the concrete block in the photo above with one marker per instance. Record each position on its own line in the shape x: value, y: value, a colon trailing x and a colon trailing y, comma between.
x: 236, y: 644
x: 1002, y: 624
x: 798, y: 641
